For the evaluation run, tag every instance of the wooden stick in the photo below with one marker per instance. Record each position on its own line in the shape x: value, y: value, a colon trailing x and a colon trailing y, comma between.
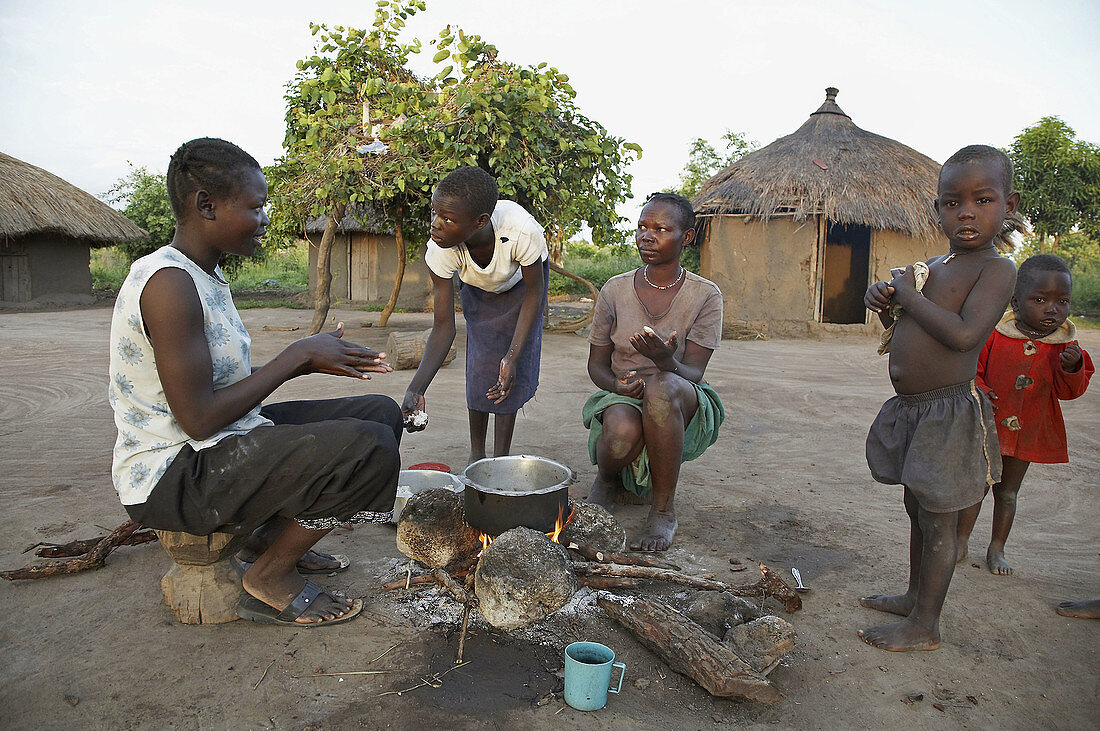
x: 453, y: 587
x: 94, y: 559
x: 769, y: 585
x: 688, y: 648
x: 608, y: 582
x: 81, y: 547
x: 462, y: 636
x: 594, y: 554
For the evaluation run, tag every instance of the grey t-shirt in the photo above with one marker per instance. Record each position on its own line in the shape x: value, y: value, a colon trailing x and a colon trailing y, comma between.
x: 695, y: 315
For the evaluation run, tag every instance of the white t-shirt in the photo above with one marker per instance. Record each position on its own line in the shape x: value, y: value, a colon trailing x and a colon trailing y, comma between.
x: 520, y: 242
x: 149, y: 436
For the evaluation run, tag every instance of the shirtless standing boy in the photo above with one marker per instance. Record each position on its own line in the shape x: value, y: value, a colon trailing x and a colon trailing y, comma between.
x: 937, y: 437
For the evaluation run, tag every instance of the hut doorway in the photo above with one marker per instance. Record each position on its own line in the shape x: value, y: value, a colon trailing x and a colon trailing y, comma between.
x: 845, y: 269
x: 15, y: 277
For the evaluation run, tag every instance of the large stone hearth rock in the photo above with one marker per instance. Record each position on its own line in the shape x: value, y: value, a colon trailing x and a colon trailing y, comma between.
x: 521, y: 578
x: 593, y: 526
x: 433, y: 529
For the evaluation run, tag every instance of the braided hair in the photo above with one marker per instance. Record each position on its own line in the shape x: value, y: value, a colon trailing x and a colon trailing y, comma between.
x: 207, y: 163
x: 473, y: 187
x: 684, y: 210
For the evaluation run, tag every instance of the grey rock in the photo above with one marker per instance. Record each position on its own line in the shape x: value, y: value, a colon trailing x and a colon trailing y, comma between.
x: 592, y: 525
x: 522, y: 578
x: 761, y: 642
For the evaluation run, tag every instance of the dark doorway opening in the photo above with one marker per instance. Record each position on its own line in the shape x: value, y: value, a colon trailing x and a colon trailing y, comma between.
x: 844, y: 281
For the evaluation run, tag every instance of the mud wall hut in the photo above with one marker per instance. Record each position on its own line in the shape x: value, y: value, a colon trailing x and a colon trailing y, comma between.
x: 794, y: 232
x: 364, y: 263
x: 47, y: 230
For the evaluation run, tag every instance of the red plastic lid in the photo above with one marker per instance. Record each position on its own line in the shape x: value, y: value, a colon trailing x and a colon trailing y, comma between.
x: 437, y: 466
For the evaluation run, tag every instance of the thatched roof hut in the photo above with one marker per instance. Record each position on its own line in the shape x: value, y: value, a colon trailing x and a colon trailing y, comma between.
x: 34, y: 201
x: 820, y: 213
x: 47, y: 228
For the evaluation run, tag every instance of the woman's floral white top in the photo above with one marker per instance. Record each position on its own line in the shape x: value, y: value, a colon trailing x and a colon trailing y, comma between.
x: 148, y: 435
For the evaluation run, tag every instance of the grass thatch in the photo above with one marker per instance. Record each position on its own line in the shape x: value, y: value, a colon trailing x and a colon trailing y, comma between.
x: 358, y: 219
x: 864, y: 178
x: 35, y: 201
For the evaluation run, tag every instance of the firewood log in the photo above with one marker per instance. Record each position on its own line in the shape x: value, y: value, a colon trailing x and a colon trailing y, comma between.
x: 689, y: 649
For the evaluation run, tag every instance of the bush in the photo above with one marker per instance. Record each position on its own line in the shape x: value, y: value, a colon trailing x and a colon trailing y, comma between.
x: 109, y: 267
x: 596, y: 264
x: 278, y: 268
x: 1086, y: 289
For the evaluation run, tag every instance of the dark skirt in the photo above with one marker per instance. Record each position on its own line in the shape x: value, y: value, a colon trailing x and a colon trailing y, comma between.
x: 490, y: 324
x: 940, y: 444
x: 321, y: 464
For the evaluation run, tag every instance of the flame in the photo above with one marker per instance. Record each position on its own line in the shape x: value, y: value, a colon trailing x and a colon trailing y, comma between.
x: 559, y: 526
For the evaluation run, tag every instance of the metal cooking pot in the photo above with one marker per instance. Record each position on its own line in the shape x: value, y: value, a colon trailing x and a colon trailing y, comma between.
x: 506, y: 492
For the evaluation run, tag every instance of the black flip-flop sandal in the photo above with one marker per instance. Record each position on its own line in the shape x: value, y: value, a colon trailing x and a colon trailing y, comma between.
x: 240, y: 566
x: 253, y: 609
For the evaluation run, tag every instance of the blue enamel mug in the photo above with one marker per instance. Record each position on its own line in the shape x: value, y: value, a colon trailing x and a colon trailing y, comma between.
x: 588, y: 675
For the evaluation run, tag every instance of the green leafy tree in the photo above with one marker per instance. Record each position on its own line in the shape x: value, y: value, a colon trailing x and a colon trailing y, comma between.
x: 1058, y: 177
x: 143, y: 197
x: 704, y: 161
x: 356, y: 94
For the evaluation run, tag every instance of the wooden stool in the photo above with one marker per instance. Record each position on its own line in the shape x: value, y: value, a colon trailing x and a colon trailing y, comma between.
x: 201, y: 587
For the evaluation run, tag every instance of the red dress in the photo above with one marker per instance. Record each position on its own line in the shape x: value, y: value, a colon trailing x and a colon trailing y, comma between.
x: 1027, y: 377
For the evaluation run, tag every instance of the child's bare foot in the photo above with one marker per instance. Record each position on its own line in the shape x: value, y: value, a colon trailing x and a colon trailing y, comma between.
x: 961, y: 550
x: 903, y: 636
x: 657, y: 534
x: 900, y: 604
x: 1083, y: 610
x: 602, y: 493
x: 995, y: 560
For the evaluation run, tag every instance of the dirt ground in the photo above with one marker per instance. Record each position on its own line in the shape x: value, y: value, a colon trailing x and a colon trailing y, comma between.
x: 786, y: 484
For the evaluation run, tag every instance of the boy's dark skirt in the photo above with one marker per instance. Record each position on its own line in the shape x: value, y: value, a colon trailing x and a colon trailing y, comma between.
x: 940, y: 444
x: 322, y: 463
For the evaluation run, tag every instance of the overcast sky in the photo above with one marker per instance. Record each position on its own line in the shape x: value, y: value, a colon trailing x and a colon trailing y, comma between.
x: 88, y: 87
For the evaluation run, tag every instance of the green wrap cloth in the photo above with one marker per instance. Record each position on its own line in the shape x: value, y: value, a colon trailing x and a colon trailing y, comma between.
x: 701, y: 432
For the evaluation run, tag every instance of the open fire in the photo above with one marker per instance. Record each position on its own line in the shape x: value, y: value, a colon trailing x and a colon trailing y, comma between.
x: 559, y: 525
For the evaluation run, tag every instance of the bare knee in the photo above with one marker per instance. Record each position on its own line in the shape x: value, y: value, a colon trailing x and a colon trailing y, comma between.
x: 622, y: 432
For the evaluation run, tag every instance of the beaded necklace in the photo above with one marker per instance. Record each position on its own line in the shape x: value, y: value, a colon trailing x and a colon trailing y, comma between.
x: 645, y: 276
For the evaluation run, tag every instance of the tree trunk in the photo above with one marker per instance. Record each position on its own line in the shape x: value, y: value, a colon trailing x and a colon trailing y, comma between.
x: 556, y: 246
x: 384, y: 317
x: 323, y: 287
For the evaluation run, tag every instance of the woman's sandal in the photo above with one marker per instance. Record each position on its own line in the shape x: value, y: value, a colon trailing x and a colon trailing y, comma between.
x: 241, y: 566
x: 251, y: 608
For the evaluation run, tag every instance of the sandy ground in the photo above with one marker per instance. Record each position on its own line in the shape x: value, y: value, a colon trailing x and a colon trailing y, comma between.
x: 786, y: 484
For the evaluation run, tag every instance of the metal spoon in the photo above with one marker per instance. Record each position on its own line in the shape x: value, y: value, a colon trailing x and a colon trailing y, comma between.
x: 799, y: 587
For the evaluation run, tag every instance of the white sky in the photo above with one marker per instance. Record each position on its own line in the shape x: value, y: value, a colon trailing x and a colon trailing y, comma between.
x: 89, y: 86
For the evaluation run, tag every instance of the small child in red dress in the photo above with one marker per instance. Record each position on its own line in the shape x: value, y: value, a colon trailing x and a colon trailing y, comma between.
x: 1030, y: 361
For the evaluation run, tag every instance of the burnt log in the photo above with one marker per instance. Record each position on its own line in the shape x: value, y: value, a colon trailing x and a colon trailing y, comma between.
x: 689, y: 649
x: 769, y: 585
